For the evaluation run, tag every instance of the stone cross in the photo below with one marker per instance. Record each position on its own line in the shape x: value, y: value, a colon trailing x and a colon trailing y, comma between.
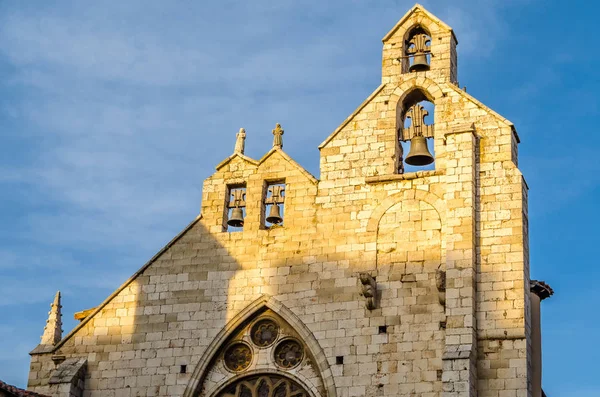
x: 240, y: 141
x: 277, y: 136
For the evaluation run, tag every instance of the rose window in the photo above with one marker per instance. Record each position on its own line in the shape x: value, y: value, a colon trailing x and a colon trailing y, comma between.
x: 264, y: 332
x: 238, y: 357
x: 288, y: 354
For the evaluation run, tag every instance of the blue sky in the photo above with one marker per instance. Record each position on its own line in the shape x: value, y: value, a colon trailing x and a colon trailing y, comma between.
x: 113, y: 113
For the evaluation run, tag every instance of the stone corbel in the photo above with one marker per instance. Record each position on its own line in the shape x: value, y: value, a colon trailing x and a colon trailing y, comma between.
x: 368, y: 289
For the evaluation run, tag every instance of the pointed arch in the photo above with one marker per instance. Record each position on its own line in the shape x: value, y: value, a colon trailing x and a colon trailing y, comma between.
x: 265, y: 301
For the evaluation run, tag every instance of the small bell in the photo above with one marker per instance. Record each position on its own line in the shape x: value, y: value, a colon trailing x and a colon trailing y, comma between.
x: 419, y: 153
x: 237, y: 218
x: 274, y: 216
x: 419, y: 63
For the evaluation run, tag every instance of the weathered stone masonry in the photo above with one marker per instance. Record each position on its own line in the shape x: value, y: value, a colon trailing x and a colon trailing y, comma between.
x: 379, y: 281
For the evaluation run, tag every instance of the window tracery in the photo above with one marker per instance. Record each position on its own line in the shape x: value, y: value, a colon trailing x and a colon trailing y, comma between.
x: 271, y: 385
x: 237, y: 357
x: 264, y: 332
x: 288, y: 353
x: 263, y: 357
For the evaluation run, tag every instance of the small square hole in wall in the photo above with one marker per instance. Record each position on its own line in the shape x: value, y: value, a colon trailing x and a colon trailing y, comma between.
x: 339, y: 360
x: 439, y: 373
x: 383, y: 329
x: 442, y: 325
x: 273, y: 204
x: 183, y: 369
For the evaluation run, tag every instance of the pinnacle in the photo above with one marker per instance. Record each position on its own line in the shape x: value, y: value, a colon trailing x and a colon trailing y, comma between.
x: 53, y: 329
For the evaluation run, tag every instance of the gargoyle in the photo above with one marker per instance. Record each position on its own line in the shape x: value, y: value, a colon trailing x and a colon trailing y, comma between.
x: 368, y: 289
x: 440, y: 283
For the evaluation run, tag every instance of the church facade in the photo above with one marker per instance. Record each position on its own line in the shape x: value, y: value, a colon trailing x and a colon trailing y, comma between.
x: 400, y: 272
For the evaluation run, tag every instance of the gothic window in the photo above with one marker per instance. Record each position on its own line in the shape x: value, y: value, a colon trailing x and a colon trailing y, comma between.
x: 270, y: 385
x: 418, y: 50
x: 414, y: 120
x: 263, y: 357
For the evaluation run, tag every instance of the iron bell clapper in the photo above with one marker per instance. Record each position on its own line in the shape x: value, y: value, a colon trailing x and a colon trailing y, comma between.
x: 419, y: 153
x: 237, y: 218
x: 274, y: 216
x: 419, y: 63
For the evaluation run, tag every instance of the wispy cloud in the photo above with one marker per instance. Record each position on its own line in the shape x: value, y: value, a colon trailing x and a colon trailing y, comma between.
x: 125, y: 108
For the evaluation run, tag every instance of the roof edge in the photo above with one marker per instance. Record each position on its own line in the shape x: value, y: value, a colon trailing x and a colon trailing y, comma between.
x: 228, y: 159
x: 290, y: 160
x: 352, y: 115
x: 483, y: 106
x: 122, y: 287
x: 416, y: 7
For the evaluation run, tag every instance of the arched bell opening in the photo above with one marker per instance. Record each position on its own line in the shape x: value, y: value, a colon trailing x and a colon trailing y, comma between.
x: 417, y: 50
x: 415, y: 126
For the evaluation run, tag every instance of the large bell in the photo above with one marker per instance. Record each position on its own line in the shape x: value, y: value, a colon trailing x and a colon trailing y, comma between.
x: 274, y: 216
x: 237, y: 218
x: 419, y: 153
x: 419, y: 63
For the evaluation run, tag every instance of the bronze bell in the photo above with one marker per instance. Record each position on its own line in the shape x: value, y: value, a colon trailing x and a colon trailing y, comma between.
x: 419, y: 153
x: 419, y: 63
x: 274, y: 216
x: 237, y: 218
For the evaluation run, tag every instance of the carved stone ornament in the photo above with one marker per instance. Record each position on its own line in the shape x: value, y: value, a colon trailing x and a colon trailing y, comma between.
x: 440, y: 283
x: 288, y: 353
x: 237, y: 357
x: 240, y: 141
x: 368, y: 289
x: 270, y: 385
x: 278, y: 136
x: 264, y: 332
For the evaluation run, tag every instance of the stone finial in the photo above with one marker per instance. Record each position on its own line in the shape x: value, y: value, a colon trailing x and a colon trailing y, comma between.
x: 53, y: 329
x: 277, y: 136
x: 240, y: 141
x: 368, y: 289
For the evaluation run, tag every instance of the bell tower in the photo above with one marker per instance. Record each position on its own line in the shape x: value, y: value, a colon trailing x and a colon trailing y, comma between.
x: 420, y: 44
